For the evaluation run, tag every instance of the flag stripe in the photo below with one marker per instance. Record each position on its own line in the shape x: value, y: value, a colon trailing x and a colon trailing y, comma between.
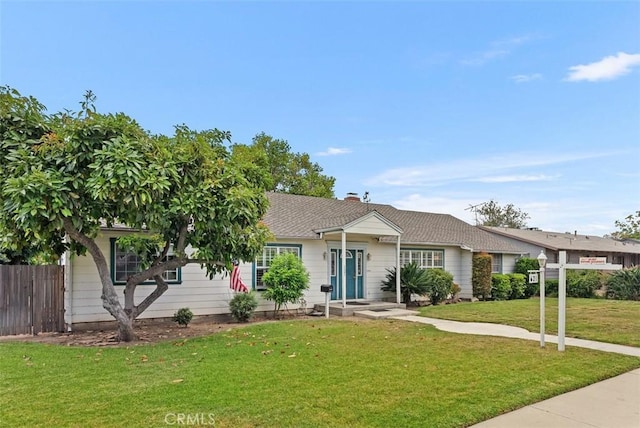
x: 236, y: 282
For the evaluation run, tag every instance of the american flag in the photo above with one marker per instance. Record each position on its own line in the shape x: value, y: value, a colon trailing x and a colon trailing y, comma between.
x: 236, y: 281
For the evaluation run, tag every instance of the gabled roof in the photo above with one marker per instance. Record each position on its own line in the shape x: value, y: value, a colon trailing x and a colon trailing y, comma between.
x: 566, y: 241
x: 303, y: 217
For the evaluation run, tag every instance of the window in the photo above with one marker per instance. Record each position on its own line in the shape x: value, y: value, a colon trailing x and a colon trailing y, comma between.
x: 125, y: 263
x: 334, y: 263
x: 496, y: 263
x: 425, y: 259
x: 264, y: 261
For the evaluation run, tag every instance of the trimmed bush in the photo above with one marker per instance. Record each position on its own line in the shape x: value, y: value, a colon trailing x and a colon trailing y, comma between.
x: 523, y: 266
x: 440, y: 285
x: 551, y: 288
x: 481, y: 275
x: 500, y: 286
x: 183, y: 316
x: 624, y: 284
x: 518, y: 285
x: 243, y: 305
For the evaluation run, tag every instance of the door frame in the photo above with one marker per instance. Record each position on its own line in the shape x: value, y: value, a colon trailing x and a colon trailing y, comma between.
x: 334, y: 271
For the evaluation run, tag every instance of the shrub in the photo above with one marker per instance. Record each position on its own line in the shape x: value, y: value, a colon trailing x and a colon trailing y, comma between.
x: 583, y: 283
x: 455, y: 290
x: 624, y: 284
x: 551, y: 288
x: 500, y: 286
x: 518, y: 285
x: 481, y: 275
x: 440, y: 285
x: 413, y: 280
x: 183, y: 316
x: 243, y: 305
x: 523, y: 266
x: 286, y: 280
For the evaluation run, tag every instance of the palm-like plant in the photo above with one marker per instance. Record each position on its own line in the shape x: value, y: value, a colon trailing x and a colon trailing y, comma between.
x: 624, y: 284
x: 413, y: 280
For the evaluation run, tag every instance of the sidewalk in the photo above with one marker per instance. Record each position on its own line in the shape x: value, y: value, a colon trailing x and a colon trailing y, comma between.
x: 612, y: 403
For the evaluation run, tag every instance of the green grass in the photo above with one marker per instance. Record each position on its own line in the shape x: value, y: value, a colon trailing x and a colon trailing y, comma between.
x: 612, y: 321
x: 328, y: 373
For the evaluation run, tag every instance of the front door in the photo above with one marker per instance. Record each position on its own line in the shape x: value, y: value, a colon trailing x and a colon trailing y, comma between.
x: 354, y: 288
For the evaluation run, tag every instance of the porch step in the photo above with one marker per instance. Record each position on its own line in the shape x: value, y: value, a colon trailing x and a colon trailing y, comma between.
x: 384, y: 313
x: 356, y: 306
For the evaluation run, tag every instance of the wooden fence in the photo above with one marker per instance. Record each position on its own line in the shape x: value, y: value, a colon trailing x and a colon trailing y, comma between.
x: 31, y: 299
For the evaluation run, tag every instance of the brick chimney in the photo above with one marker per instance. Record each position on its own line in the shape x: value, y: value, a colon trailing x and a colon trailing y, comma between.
x: 352, y: 197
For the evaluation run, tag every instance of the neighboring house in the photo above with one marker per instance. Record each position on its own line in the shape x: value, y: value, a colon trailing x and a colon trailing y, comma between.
x: 624, y: 252
x: 347, y: 243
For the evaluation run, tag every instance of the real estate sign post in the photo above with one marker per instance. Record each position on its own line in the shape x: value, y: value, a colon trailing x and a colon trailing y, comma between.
x: 586, y: 263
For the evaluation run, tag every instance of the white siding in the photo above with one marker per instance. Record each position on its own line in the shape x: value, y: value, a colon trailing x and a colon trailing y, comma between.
x: 372, y: 226
x: 206, y: 296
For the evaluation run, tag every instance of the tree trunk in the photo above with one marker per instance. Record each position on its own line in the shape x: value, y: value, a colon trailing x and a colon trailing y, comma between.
x: 109, y: 296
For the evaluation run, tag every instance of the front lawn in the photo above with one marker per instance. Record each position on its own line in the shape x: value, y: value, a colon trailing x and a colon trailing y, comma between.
x: 321, y: 373
x: 612, y: 321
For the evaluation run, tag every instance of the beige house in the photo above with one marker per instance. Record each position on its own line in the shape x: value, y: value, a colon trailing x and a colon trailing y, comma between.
x: 623, y: 252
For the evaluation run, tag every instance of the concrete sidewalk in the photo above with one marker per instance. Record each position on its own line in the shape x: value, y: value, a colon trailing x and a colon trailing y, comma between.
x: 612, y: 403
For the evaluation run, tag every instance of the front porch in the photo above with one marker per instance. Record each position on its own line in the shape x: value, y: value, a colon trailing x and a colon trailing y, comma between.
x: 337, y: 309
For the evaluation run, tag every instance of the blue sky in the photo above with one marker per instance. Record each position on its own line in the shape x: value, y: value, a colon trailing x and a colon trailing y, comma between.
x: 428, y: 106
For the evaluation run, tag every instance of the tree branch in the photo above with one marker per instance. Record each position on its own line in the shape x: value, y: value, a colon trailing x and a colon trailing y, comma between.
x: 161, y: 287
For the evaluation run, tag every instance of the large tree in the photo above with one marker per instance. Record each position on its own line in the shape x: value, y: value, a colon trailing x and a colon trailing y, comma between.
x: 629, y: 228
x: 493, y: 214
x: 64, y: 176
x: 289, y: 172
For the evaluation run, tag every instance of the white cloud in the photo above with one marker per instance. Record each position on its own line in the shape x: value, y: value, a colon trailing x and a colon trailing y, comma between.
x: 455, y: 207
x: 514, y: 178
x: 334, y: 151
x: 437, y: 174
x: 482, y: 58
x: 497, y: 49
x: 524, y: 78
x: 607, y: 68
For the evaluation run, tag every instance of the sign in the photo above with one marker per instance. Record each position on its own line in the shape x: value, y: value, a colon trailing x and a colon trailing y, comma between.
x: 593, y: 260
x: 533, y: 278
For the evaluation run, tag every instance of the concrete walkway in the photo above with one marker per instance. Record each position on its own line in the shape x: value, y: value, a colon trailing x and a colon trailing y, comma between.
x: 488, y: 329
x: 612, y: 403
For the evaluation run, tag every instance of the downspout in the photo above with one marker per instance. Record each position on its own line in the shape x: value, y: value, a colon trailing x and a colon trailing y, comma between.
x: 68, y: 290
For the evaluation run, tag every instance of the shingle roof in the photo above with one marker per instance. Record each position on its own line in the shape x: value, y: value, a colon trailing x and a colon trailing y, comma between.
x: 567, y: 241
x: 295, y: 216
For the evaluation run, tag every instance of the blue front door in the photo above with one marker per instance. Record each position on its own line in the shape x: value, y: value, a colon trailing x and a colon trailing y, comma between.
x: 354, y: 277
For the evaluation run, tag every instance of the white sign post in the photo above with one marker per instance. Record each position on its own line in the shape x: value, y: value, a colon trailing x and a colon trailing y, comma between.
x: 588, y: 263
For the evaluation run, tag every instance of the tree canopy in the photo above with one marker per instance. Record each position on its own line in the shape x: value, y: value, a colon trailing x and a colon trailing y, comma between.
x: 288, y: 172
x: 629, y: 228
x: 66, y: 175
x: 493, y: 214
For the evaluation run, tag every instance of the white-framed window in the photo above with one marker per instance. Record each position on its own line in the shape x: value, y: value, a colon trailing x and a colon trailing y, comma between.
x: 496, y: 263
x: 126, y: 263
x: 425, y: 259
x: 334, y: 263
x: 264, y: 260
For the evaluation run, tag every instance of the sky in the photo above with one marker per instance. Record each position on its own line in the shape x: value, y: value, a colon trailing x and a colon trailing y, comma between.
x: 427, y: 106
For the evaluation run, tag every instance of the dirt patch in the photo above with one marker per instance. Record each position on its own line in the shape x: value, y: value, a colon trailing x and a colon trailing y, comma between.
x: 148, y: 331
